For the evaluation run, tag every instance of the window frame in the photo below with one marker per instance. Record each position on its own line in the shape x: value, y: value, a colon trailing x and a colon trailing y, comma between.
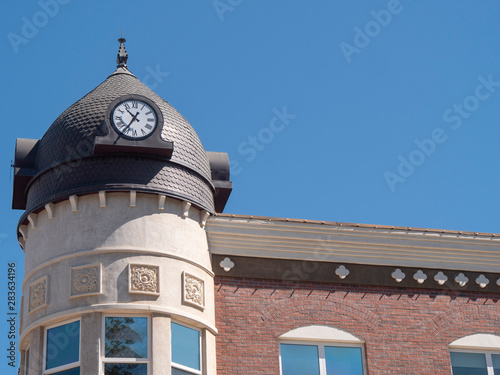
x: 178, y: 366
x: 320, y: 344
x: 26, y: 360
x: 68, y: 366
x: 105, y: 360
x: 487, y: 353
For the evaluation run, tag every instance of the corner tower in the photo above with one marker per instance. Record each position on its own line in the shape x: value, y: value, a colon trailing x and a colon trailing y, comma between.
x: 118, y: 276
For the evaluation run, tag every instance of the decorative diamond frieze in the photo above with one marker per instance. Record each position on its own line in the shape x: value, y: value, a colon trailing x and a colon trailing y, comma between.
x: 38, y: 294
x: 144, y: 279
x: 86, y: 280
x: 193, y: 290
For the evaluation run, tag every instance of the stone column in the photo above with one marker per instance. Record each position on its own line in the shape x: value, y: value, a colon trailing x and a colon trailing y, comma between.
x: 36, y: 351
x: 161, y: 354
x: 90, y: 338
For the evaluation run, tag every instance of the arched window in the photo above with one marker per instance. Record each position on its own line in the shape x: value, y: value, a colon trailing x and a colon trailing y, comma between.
x: 321, y: 350
x: 477, y: 354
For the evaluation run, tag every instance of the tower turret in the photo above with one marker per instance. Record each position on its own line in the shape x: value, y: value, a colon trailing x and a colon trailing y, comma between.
x: 118, y: 275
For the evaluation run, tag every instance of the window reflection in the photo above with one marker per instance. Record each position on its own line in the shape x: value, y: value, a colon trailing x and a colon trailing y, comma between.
x: 320, y: 359
x: 186, y: 346
x: 468, y: 363
x: 62, y: 348
x: 299, y: 359
x: 343, y: 361
x: 126, y: 337
x: 125, y: 369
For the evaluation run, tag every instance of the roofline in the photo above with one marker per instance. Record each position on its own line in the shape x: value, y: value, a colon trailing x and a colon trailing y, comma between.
x: 357, y: 225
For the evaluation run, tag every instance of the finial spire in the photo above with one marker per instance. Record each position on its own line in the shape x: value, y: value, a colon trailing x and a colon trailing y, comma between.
x: 122, y: 57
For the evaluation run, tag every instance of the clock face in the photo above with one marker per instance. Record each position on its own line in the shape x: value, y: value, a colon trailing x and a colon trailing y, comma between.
x: 134, y: 119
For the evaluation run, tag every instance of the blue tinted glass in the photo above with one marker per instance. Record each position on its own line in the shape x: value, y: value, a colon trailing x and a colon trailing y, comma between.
x: 125, y: 369
x: 496, y: 363
x: 176, y: 371
x: 126, y: 337
x: 343, y: 361
x: 73, y: 371
x: 63, y: 345
x: 468, y: 363
x: 186, y: 346
x: 299, y: 359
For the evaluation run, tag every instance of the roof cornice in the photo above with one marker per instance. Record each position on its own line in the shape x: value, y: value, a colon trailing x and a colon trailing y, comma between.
x: 352, y: 243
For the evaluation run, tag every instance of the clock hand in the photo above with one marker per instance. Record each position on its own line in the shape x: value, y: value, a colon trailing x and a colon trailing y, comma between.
x: 133, y: 115
x: 134, y: 118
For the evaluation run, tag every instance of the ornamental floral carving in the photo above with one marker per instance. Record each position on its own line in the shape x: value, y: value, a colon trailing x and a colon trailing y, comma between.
x: 144, y: 279
x: 194, y: 290
x: 38, y: 294
x: 86, y: 280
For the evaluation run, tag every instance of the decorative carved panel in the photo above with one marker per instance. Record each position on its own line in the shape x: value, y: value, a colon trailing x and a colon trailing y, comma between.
x: 193, y: 290
x: 144, y: 279
x: 86, y: 280
x: 38, y: 294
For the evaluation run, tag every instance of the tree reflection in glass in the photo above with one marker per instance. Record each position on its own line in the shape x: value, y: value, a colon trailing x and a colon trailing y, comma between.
x: 126, y: 337
x: 126, y: 369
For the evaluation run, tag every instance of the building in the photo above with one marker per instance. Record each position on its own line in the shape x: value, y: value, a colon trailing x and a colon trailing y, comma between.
x: 132, y: 268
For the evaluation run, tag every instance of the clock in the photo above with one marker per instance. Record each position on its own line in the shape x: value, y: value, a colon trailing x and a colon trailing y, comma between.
x: 134, y: 119
x: 133, y: 125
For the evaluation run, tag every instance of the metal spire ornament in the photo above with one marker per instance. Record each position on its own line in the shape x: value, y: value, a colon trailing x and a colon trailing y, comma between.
x: 122, y: 57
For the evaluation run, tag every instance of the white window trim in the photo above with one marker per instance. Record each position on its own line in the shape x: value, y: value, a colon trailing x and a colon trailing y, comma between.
x: 321, y: 336
x: 26, y: 360
x: 487, y: 354
x: 105, y: 360
x: 480, y: 343
x: 182, y: 367
x: 69, y: 365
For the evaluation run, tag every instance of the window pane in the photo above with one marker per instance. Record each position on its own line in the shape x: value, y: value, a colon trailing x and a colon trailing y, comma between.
x: 186, y: 346
x: 496, y: 363
x: 63, y: 345
x: 176, y: 371
x: 343, y: 361
x: 468, y: 363
x: 73, y: 371
x: 125, y: 369
x: 126, y: 337
x: 299, y: 359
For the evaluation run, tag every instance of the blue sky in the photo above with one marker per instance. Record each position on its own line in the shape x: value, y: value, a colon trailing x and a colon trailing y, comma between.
x: 368, y: 111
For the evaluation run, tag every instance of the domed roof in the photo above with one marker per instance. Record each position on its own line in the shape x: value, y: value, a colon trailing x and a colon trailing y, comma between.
x: 78, y: 126
x: 67, y: 164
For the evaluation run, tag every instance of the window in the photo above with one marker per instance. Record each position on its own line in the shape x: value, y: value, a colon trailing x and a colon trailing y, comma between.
x: 475, y: 363
x: 186, y: 350
x: 477, y: 354
x: 321, y: 350
x: 62, y: 349
x: 126, y: 347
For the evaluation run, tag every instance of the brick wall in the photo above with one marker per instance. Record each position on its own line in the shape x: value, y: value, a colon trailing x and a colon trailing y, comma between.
x: 407, y: 331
